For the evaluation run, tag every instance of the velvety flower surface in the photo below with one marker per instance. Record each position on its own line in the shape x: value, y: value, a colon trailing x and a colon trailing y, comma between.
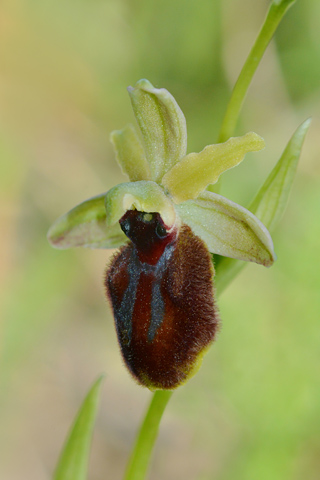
x: 166, y: 221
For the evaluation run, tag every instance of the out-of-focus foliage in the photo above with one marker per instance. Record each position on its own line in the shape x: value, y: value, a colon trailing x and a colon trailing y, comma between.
x: 252, y: 411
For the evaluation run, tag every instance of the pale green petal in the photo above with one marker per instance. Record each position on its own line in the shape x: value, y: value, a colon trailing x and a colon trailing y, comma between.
x: 270, y: 201
x: 130, y: 154
x: 85, y: 226
x: 142, y: 196
x: 162, y: 124
x: 194, y: 172
x: 227, y: 228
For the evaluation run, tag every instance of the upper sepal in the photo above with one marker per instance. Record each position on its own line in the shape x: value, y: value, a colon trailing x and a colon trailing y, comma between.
x: 188, y: 178
x: 162, y: 124
x: 143, y: 196
x: 85, y: 226
x: 228, y: 229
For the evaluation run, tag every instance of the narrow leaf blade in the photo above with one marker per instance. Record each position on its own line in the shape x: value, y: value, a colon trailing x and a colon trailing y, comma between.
x: 272, y: 198
x: 283, y: 3
x: 73, y: 461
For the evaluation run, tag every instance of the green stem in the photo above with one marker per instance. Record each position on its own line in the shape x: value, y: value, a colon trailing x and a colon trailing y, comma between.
x: 140, y: 457
x: 275, y: 14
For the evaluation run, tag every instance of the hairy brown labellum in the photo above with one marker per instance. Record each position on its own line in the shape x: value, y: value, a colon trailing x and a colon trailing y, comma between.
x: 161, y: 289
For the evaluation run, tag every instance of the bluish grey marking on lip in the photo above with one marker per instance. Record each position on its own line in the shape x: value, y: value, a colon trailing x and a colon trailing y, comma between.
x: 157, y: 310
x: 123, y: 314
x: 157, y: 303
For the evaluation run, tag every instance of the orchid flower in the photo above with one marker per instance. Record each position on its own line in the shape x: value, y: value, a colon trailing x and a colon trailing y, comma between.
x: 166, y: 222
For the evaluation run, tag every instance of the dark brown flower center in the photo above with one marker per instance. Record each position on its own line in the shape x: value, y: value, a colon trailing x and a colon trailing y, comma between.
x: 148, y: 233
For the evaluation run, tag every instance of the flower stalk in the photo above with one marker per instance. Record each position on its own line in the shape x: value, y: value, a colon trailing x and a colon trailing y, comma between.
x: 274, y: 16
x: 140, y: 458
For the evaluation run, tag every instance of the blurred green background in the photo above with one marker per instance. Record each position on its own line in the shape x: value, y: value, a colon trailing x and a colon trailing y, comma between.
x: 253, y: 410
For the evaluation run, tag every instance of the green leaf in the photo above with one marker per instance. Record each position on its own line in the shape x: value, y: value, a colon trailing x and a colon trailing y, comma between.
x: 283, y: 3
x: 227, y: 228
x: 85, y: 226
x: 162, y: 124
x: 270, y: 201
x: 142, y: 196
x: 73, y: 461
x: 130, y: 154
x: 188, y: 178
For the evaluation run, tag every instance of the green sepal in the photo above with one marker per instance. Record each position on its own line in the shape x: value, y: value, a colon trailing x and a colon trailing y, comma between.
x: 85, y: 226
x: 227, y: 228
x: 188, y: 178
x: 130, y: 154
x: 143, y: 196
x: 73, y: 461
x: 270, y: 201
x: 162, y: 124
